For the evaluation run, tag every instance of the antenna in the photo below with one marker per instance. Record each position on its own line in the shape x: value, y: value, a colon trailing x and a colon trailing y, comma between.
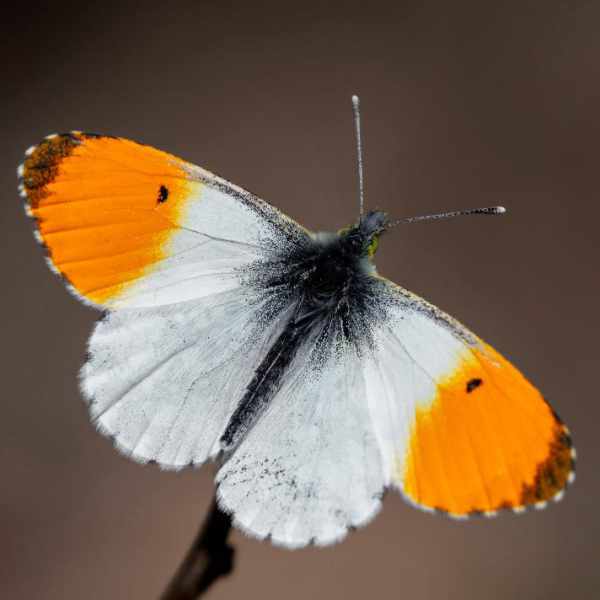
x: 361, y: 183
x: 490, y: 210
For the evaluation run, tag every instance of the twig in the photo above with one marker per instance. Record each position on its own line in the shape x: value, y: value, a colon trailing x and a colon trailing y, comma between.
x: 209, y: 558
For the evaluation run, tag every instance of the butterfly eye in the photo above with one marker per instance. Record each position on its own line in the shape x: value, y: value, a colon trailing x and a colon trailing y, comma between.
x: 373, y: 245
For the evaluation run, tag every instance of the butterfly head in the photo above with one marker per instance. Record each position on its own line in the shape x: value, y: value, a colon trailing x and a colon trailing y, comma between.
x: 364, y: 236
x: 373, y: 222
x: 371, y: 226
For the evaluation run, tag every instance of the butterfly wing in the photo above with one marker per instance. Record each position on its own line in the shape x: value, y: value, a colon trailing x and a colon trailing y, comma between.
x: 310, y: 468
x: 167, y: 247
x: 127, y: 225
x: 417, y: 403
x: 164, y: 381
x: 461, y: 430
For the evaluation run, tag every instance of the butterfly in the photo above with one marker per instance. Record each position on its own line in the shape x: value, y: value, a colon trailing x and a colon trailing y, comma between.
x: 232, y: 333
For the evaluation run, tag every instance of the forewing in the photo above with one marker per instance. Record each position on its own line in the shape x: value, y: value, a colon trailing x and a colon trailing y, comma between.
x: 461, y: 430
x: 310, y: 468
x: 127, y: 225
x: 164, y: 381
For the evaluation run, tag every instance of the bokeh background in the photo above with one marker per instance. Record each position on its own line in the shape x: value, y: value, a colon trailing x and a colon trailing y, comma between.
x: 465, y: 103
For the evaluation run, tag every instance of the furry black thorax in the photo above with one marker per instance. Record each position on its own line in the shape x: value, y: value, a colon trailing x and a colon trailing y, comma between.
x: 324, y: 275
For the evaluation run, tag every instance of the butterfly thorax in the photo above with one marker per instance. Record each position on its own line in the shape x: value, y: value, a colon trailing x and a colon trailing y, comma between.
x: 324, y: 272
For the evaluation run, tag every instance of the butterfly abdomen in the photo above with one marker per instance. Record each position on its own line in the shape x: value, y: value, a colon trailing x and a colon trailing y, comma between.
x: 266, y: 381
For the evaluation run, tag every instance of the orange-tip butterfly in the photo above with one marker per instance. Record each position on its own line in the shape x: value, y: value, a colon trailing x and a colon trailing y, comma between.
x: 232, y: 333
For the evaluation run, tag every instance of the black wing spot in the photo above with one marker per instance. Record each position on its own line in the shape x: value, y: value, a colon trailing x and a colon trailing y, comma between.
x: 473, y: 384
x: 163, y: 194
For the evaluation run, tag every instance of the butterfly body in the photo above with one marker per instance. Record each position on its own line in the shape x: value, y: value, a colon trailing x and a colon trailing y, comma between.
x: 327, y: 282
x: 232, y: 333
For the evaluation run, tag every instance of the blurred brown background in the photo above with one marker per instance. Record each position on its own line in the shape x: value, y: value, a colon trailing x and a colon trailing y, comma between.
x: 464, y: 103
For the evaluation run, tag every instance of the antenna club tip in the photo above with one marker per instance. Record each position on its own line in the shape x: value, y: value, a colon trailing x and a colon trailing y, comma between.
x: 500, y: 210
x: 355, y: 100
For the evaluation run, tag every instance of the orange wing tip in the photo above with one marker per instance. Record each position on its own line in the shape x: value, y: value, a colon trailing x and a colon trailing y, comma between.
x: 542, y: 464
x: 553, y: 474
x: 547, y: 484
x: 41, y: 165
x: 35, y: 173
x: 63, y: 170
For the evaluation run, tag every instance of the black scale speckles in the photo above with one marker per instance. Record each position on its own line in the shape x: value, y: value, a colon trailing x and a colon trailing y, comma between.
x: 163, y: 194
x: 473, y: 384
x: 333, y: 304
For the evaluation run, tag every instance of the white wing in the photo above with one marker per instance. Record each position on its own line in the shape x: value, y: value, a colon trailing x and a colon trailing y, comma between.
x: 164, y: 381
x: 310, y: 468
